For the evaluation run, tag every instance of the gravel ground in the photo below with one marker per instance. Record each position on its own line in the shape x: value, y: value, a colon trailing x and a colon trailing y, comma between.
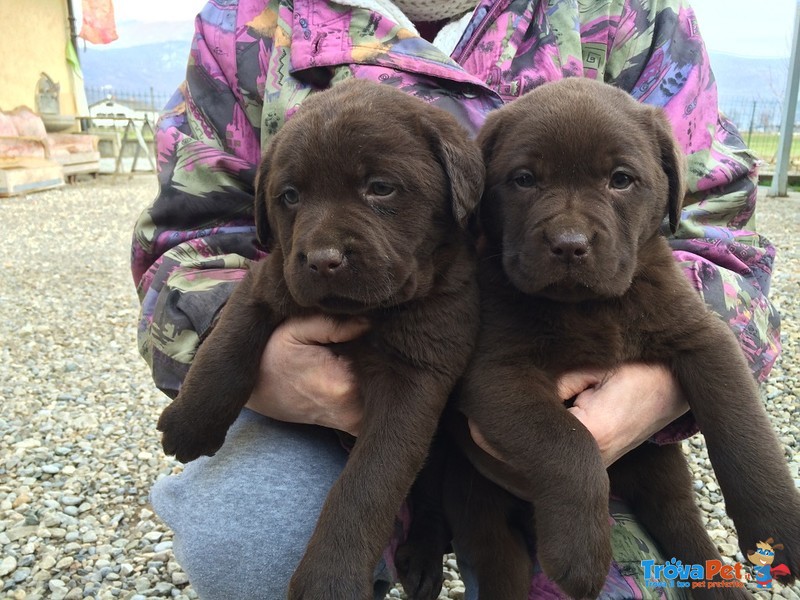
x: 79, y: 449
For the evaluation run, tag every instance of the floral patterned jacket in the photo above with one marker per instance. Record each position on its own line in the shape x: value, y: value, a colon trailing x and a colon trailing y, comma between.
x: 253, y: 62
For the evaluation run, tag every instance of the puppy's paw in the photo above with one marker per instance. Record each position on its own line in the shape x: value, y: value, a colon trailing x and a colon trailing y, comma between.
x: 790, y: 554
x: 581, y: 579
x: 770, y: 540
x: 780, y: 555
x: 420, y: 570
x: 322, y: 584
x: 577, y: 564
x: 186, y: 436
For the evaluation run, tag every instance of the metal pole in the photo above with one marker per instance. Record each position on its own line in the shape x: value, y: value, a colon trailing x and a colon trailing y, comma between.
x: 781, y: 177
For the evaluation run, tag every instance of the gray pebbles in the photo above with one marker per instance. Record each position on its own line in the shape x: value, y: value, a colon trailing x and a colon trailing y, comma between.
x: 78, y: 445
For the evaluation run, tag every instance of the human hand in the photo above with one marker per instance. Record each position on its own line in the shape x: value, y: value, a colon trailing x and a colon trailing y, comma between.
x: 301, y: 379
x: 624, y: 407
x: 620, y: 408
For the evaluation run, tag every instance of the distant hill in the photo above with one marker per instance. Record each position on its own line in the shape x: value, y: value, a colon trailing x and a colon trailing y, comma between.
x: 146, y: 55
x: 758, y: 78
x: 136, y: 69
x: 751, y: 90
x: 154, y: 55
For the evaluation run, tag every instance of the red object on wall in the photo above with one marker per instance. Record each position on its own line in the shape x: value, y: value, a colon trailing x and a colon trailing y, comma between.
x: 98, y: 25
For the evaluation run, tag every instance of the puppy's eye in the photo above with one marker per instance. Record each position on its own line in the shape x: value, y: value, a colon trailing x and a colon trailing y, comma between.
x: 380, y: 188
x: 290, y: 197
x: 524, y: 179
x: 620, y: 180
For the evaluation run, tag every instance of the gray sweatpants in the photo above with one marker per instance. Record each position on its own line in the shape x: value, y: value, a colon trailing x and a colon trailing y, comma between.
x: 243, y: 517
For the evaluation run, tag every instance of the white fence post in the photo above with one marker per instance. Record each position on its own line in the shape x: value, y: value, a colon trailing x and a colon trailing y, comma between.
x: 781, y: 176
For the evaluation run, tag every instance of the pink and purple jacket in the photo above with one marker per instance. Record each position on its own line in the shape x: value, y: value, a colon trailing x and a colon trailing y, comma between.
x: 253, y: 62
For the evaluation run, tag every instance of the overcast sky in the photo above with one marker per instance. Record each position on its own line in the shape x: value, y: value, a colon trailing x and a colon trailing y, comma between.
x: 741, y: 27
x: 747, y: 28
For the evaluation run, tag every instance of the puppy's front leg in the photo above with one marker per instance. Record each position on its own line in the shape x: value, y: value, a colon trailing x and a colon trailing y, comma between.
x: 492, y: 530
x: 402, y: 409
x: 221, y: 378
x: 656, y: 483
x: 518, y: 411
x: 418, y: 559
x: 760, y: 495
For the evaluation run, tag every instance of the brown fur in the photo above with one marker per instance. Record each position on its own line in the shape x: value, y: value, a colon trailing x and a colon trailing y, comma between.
x: 577, y: 275
x: 341, y: 246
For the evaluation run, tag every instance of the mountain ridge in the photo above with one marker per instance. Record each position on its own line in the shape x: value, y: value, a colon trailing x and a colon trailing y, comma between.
x: 154, y: 55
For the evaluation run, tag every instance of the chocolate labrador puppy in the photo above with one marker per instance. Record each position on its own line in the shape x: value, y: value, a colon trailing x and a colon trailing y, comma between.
x: 580, y: 177
x: 362, y: 199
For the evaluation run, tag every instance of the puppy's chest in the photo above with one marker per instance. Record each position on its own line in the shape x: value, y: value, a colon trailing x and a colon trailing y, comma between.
x: 427, y: 338
x: 559, y: 336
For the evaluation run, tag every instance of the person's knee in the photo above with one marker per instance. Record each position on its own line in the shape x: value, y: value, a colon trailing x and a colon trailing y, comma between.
x: 242, y: 518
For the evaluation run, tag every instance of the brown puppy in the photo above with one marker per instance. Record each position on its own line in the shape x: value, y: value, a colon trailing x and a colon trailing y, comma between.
x: 362, y: 199
x: 579, y: 179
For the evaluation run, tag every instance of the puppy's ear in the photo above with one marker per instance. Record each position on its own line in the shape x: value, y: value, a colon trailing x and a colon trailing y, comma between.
x: 674, y: 164
x: 489, y: 218
x: 461, y: 159
x: 263, y: 230
x: 489, y: 134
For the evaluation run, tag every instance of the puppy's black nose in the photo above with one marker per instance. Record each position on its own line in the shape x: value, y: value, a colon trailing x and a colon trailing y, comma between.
x: 326, y: 261
x: 569, y: 246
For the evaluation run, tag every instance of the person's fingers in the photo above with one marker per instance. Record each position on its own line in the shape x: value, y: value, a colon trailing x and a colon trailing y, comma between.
x: 318, y: 329
x: 584, y: 400
x: 628, y: 407
x: 586, y: 407
x: 584, y: 412
x: 350, y: 423
x: 580, y: 413
x: 612, y: 445
x: 572, y: 383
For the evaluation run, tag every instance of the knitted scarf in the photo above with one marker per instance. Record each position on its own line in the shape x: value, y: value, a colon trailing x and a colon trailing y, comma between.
x: 434, y: 10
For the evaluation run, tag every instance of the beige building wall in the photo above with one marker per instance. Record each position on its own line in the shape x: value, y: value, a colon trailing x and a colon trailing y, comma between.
x: 33, y: 39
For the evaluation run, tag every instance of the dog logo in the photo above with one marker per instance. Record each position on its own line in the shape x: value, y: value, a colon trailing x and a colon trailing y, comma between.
x: 762, y: 558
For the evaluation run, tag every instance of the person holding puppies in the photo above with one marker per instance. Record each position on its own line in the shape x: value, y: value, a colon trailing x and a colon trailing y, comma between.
x: 242, y: 518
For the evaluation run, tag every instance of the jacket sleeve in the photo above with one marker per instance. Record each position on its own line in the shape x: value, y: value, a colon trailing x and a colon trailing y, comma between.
x: 660, y: 58
x: 193, y: 243
x: 665, y: 63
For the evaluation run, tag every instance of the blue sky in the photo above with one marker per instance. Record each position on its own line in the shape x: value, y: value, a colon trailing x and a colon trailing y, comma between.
x: 741, y: 27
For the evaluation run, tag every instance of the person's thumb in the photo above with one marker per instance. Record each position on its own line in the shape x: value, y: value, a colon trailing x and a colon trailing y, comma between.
x: 572, y: 383
x: 319, y: 330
